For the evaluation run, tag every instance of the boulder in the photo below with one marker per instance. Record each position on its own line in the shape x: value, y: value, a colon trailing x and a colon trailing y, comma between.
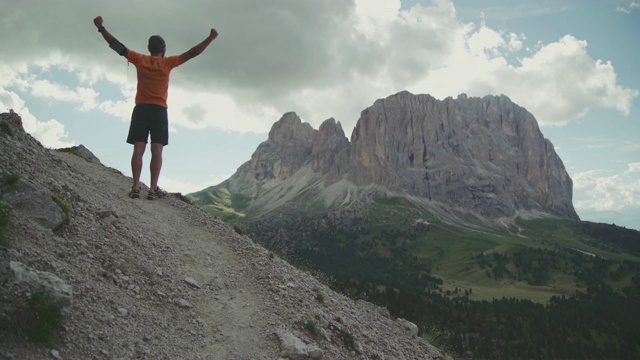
x: 36, y: 201
x: 12, y: 120
x: 408, y: 327
x: 293, y: 348
x: 82, y: 152
x: 43, y: 281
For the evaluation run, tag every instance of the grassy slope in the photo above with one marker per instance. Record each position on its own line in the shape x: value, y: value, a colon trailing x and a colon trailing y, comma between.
x: 220, y: 202
x: 451, y: 247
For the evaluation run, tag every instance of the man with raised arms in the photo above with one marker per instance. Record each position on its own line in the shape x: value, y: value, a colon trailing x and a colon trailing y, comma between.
x: 150, y: 112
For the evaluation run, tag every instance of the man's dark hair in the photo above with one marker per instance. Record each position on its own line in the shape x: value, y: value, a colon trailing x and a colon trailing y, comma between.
x: 156, y: 44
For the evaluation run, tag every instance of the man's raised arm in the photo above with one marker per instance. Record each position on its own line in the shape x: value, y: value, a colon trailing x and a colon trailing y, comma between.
x: 198, y: 49
x: 110, y: 39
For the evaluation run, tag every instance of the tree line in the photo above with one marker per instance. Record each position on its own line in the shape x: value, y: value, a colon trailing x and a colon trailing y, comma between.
x: 377, y: 265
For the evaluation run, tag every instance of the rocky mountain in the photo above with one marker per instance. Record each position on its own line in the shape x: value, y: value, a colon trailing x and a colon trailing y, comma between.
x: 480, y: 156
x: 162, y: 279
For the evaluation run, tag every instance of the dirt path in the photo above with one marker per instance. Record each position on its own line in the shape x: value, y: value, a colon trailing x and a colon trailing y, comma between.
x: 128, y: 269
x: 178, y: 242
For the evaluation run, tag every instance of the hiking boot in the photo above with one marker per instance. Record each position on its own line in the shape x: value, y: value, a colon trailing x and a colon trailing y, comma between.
x: 156, y: 194
x: 134, y: 193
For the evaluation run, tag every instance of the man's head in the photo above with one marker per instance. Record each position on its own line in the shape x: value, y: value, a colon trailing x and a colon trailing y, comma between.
x: 157, y: 45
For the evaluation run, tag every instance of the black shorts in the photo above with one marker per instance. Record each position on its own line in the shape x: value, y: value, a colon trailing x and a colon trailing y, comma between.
x: 149, y: 118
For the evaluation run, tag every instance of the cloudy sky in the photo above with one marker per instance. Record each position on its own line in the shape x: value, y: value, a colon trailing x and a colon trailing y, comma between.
x: 572, y: 63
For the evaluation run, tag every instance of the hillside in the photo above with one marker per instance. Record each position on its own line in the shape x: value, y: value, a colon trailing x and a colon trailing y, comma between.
x: 160, y: 279
x: 438, y: 180
x: 456, y: 215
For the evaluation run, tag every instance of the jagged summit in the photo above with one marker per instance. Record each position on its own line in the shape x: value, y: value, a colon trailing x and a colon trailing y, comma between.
x: 160, y: 279
x: 484, y: 156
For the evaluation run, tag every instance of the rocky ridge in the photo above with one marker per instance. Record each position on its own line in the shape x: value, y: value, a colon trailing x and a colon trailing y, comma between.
x: 163, y: 279
x: 484, y: 156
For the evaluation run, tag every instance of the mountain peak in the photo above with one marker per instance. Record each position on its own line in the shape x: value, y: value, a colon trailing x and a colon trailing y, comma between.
x: 288, y: 127
x: 485, y: 156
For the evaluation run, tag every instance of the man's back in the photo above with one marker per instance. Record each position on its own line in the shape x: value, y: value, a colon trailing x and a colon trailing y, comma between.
x: 153, y: 77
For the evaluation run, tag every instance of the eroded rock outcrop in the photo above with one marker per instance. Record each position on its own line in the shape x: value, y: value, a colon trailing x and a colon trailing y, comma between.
x: 36, y: 280
x: 36, y: 201
x: 485, y: 155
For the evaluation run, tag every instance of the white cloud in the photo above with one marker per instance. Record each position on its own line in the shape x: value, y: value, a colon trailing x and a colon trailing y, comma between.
x: 633, y: 168
x: 485, y: 40
x: 516, y: 42
x: 630, y: 7
x: 118, y: 109
x: 32, y: 79
x: 200, y: 109
x: 380, y: 11
x: 321, y: 59
x: 515, y: 10
x: 173, y: 185
x: 566, y: 82
x: 45, y: 89
x: 50, y: 133
x: 604, y: 192
x: 557, y: 83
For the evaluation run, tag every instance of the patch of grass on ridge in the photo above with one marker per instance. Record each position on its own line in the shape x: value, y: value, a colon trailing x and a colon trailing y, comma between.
x: 43, y: 318
x: 10, y: 179
x: 221, y: 203
x: 185, y: 198
x: 347, y: 340
x: 6, y: 127
x: 5, y: 217
x: 61, y: 203
x: 37, y: 321
x: 311, y: 328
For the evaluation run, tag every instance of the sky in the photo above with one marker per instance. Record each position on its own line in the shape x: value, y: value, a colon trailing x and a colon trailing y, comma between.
x: 572, y: 64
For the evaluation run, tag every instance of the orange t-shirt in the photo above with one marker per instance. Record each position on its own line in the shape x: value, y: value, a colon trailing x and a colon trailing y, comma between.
x: 153, y: 77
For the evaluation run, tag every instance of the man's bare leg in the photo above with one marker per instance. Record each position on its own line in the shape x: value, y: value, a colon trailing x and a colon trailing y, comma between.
x: 136, y: 162
x: 156, y: 163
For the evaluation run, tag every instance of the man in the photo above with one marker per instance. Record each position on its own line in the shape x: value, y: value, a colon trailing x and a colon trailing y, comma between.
x: 150, y: 113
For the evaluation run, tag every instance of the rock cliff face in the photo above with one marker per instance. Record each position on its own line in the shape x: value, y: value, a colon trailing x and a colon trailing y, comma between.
x: 485, y: 155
